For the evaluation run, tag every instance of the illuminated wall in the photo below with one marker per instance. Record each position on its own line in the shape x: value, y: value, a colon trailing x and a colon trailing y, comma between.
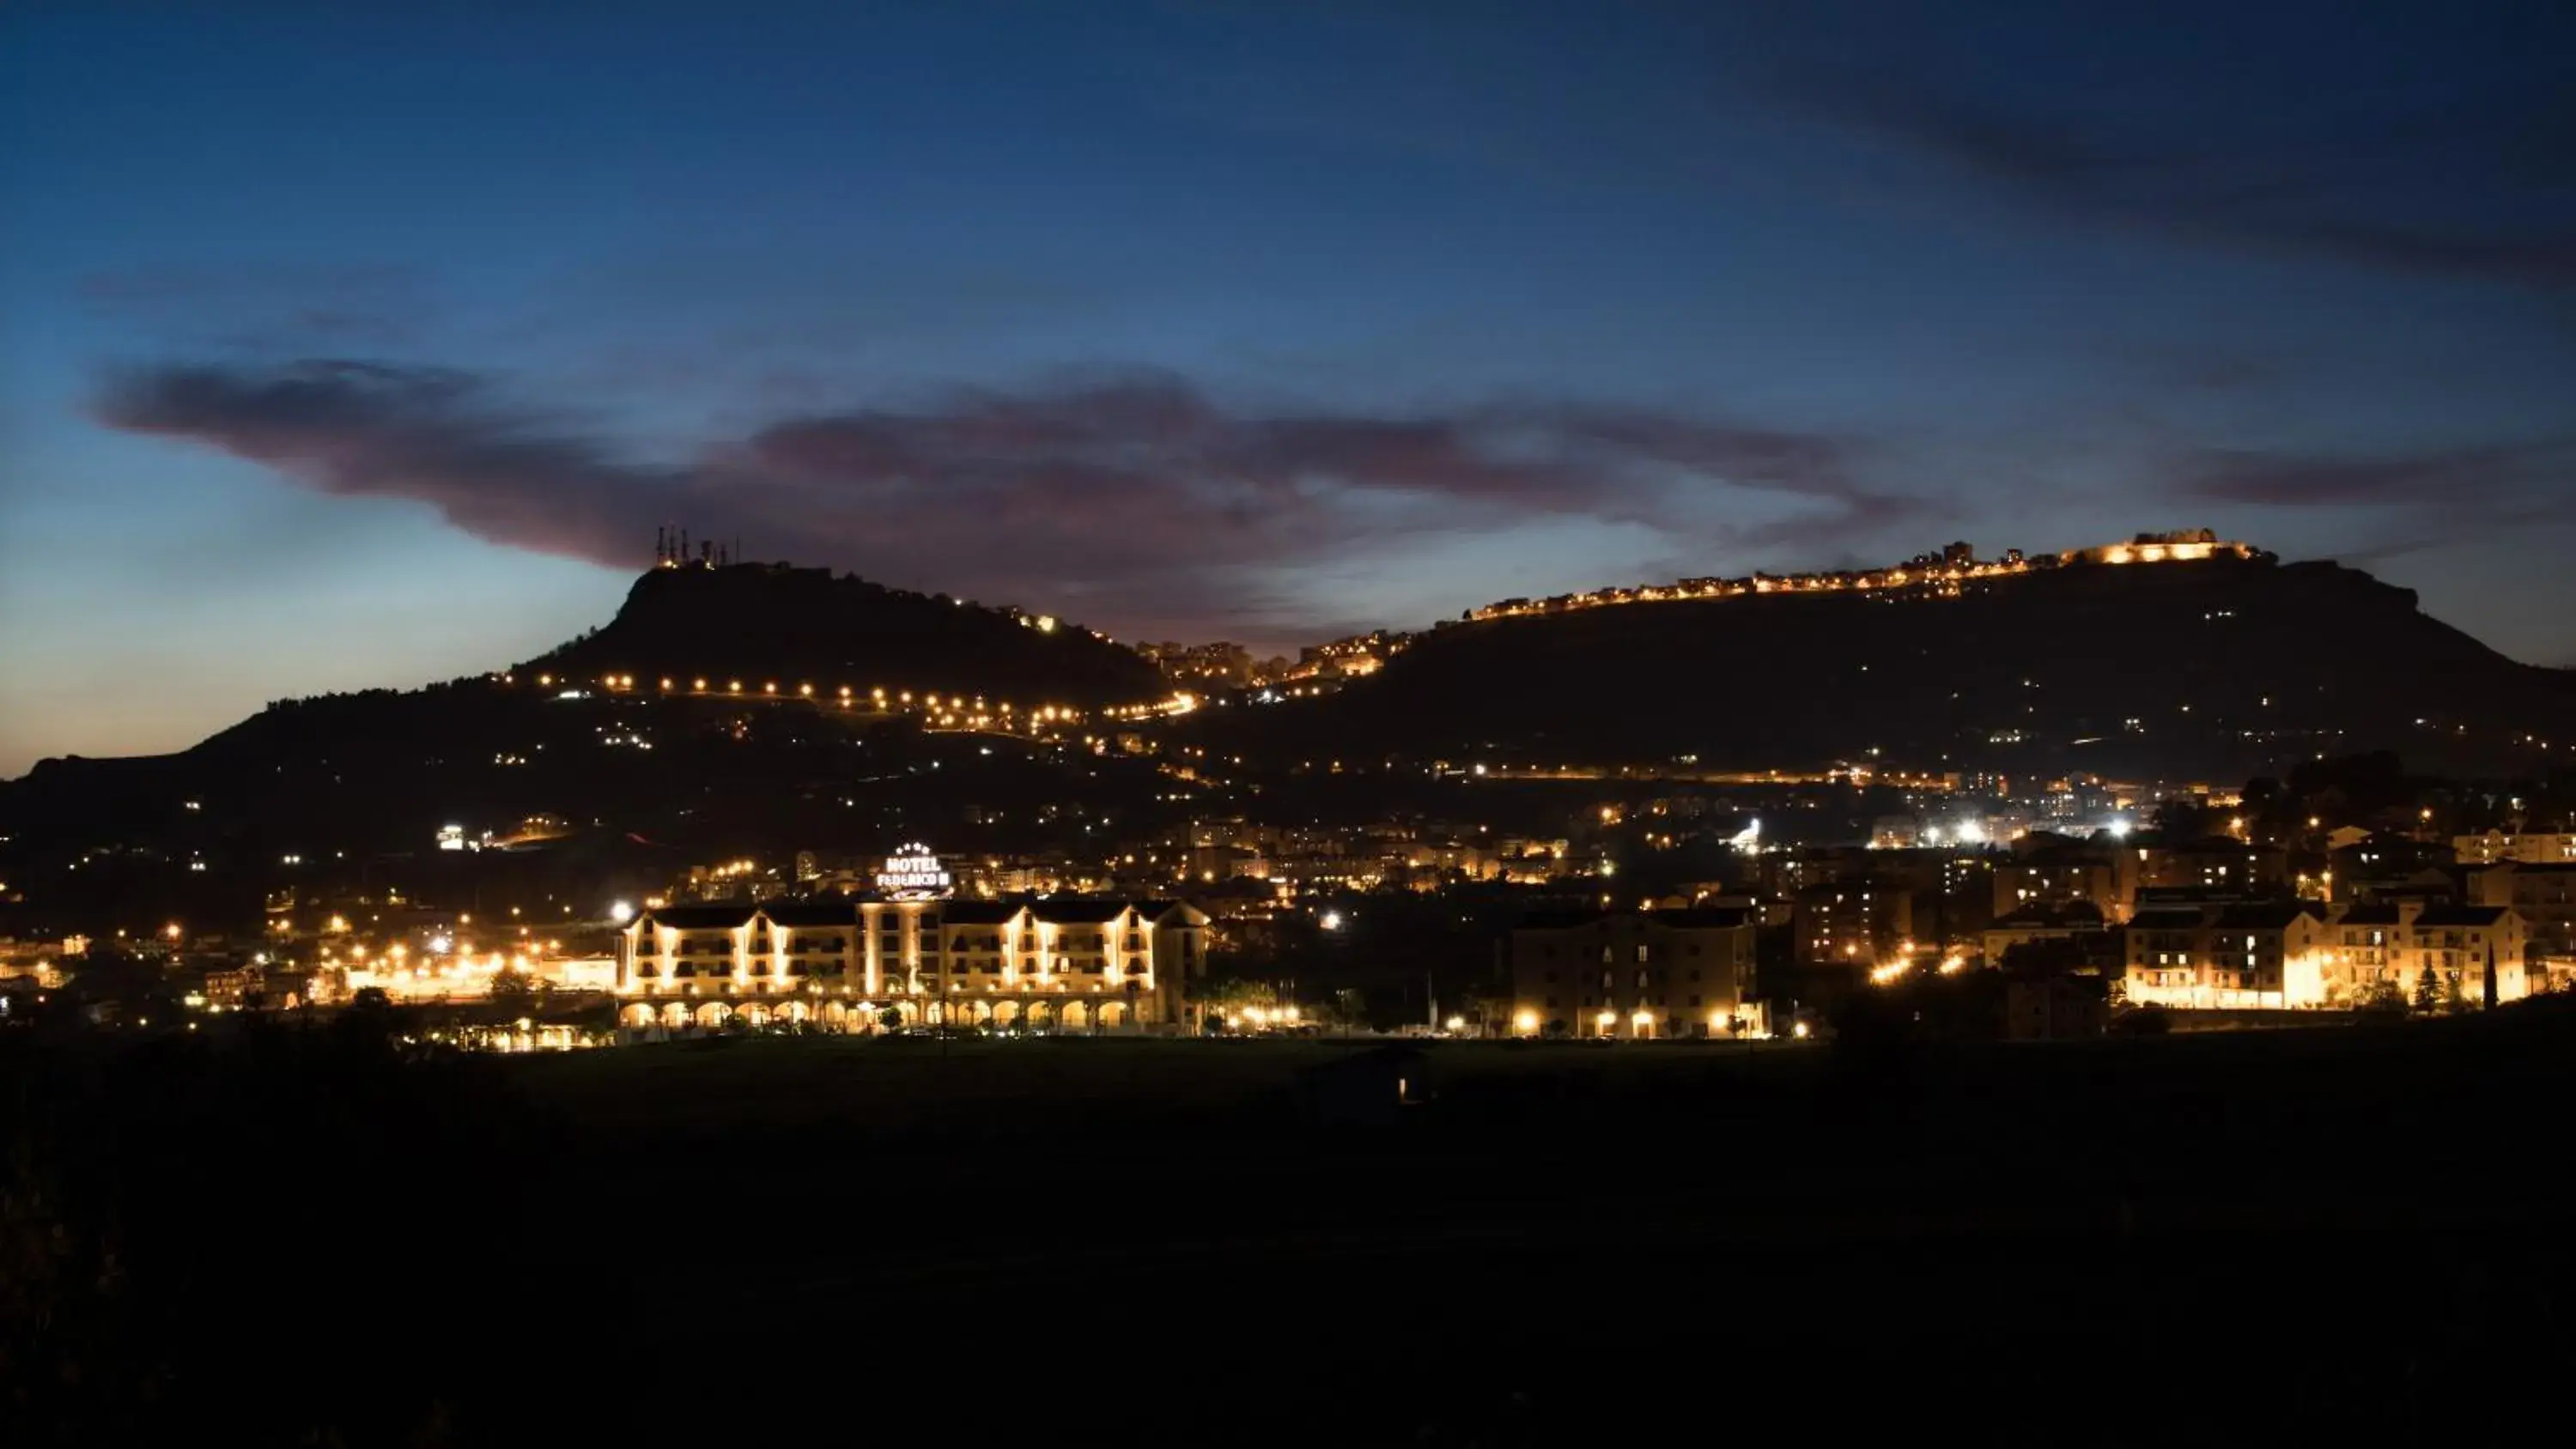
x: 1083, y: 964
x: 1636, y: 975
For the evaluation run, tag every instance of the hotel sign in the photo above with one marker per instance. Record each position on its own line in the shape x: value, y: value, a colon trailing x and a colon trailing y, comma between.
x: 913, y: 874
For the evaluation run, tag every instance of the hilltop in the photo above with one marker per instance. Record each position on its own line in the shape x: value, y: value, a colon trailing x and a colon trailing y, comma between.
x: 2218, y: 667
x: 771, y: 623
x: 2221, y: 664
x: 638, y: 772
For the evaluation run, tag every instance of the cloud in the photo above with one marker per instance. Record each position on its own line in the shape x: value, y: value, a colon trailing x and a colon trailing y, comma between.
x: 2407, y: 503
x: 1131, y: 500
x: 2450, y: 195
x: 2478, y: 479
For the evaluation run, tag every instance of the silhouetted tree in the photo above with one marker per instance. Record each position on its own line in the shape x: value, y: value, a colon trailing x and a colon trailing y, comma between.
x: 2428, y: 990
x: 2148, y: 1020
x: 516, y: 988
x: 2381, y: 999
x: 2183, y: 820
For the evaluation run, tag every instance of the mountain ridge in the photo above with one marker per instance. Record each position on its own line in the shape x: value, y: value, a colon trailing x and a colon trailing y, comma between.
x: 2278, y: 660
x: 768, y: 623
x: 1505, y: 681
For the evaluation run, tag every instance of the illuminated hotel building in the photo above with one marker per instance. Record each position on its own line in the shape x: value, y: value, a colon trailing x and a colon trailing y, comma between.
x: 1061, y: 964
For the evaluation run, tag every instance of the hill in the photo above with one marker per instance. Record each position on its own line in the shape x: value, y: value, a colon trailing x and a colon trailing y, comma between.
x: 635, y: 773
x: 2222, y: 666
x: 770, y: 622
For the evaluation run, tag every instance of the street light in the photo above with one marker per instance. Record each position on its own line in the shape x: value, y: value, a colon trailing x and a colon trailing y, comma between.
x: 621, y: 912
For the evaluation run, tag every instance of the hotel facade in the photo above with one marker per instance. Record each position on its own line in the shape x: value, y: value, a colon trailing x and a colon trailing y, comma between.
x: 1075, y: 965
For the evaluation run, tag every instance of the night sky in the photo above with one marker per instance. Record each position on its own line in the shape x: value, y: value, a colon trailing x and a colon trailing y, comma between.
x: 367, y: 345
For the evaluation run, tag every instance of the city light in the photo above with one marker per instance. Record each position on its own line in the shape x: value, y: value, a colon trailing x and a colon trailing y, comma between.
x: 621, y: 912
x: 1331, y: 921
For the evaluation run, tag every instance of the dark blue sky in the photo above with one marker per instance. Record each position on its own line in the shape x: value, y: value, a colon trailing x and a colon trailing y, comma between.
x: 360, y: 345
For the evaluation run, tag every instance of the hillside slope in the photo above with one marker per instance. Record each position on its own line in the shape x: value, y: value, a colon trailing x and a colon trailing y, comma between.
x: 764, y: 622
x: 2221, y: 666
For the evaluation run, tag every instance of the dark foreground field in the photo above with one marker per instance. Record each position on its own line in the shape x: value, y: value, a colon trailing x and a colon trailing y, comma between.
x: 2352, y: 1233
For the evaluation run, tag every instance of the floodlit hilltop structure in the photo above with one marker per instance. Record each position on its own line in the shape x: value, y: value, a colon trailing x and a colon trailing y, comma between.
x: 2190, y: 545
x: 1933, y: 575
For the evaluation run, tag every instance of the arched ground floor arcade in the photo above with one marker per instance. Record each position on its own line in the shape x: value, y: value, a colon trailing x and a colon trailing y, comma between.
x: 1048, y: 1014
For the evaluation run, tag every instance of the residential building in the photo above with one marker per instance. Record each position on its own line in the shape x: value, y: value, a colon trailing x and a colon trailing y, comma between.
x: 2071, y: 875
x: 2544, y: 895
x: 2217, y: 863
x: 1635, y: 974
x: 2536, y: 848
x: 2306, y: 954
x: 2248, y: 954
x: 1860, y: 922
x: 2054, y: 1008
x: 2046, y: 921
x: 2459, y: 945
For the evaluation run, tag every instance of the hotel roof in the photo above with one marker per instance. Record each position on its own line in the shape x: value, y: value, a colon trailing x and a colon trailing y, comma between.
x: 810, y: 913
x: 978, y: 913
x: 1079, y: 909
x: 700, y: 917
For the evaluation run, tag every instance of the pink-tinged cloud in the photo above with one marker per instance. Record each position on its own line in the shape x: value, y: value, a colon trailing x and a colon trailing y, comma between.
x: 2478, y: 480
x: 1135, y: 502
